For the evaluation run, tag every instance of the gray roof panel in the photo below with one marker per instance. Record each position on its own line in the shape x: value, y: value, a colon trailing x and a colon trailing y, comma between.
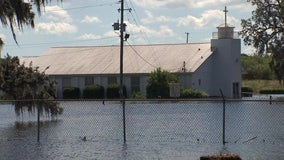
x: 106, y: 59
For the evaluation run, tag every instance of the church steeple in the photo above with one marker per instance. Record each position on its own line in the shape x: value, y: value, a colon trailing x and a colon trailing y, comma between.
x: 225, y: 31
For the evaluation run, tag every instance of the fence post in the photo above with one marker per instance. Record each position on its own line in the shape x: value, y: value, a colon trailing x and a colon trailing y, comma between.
x: 38, y: 123
x: 224, y: 117
x: 124, y: 123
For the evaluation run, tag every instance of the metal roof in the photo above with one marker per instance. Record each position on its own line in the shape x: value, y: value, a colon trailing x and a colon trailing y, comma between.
x: 106, y: 59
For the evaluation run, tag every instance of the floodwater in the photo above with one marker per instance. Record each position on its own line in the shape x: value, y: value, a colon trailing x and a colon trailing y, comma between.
x: 154, y: 131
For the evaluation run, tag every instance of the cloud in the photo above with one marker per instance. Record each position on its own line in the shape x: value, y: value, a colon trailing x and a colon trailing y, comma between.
x: 160, y: 3
x: 57, y: 22
x: 58, y: 14
x: 88, y: 36
x: 88, y: 19
x: 210, y: 18
x: 55, y: 28
x: 153, y: 19
x: 178, y: 3
x: 182, y: 3
x: 162, y: 31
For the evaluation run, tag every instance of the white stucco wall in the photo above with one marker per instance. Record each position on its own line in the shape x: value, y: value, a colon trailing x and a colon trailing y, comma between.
x: 226, y: 66
x: 202, y: 78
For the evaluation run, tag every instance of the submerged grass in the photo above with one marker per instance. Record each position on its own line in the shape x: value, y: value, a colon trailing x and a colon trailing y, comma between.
x: 258, y: 85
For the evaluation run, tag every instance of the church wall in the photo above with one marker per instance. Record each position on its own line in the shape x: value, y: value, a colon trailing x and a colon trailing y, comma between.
x: 226, y: 67
x: 201, y: 78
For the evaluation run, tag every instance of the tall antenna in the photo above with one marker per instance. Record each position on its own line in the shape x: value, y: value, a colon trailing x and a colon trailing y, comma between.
x: 187, y: 34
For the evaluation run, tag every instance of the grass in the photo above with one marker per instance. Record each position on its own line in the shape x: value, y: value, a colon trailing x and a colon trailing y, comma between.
x: 258, y: 85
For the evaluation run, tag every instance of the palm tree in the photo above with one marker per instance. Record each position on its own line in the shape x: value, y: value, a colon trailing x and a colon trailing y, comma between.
x: 17, y: 13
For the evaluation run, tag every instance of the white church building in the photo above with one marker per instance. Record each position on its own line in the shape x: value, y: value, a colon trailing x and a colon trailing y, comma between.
x: 204, y: 66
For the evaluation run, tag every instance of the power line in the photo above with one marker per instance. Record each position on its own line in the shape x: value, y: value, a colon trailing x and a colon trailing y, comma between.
x: 145, y: 36
x: 136, y: 52
x: 83, y: 7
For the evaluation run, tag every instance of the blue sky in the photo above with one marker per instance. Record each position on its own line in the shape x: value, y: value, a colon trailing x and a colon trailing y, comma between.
x: 89, y: 23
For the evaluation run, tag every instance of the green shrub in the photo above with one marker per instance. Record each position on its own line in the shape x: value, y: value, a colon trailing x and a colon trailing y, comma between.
x: 158, y: 83
x: 94, y: 92
x: 271, y: 91
x: 247, y: 91
x: 113, y: 91
x: 137, y: 95
x: 193, y: 93
x: 71, y: 93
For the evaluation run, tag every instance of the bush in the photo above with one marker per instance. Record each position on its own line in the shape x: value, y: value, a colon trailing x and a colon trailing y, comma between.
x: 247, y: 91
x: 272, y: 91
x: 71, y: 93
x: 137, y: 95
x: 113, y: 91
x: 158, y: 83
x: 193, y: 93
x: 94, y: 92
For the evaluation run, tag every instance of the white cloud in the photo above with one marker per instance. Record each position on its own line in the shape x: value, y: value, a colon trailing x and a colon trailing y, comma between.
x: 210, y: 18
x: 163, y: 31
x: 58, y: 22
x: 55, y: 28
x: 153, y: 19
x: 111, y: 34
x: 159, y: 3
x: 58, y: 14
x: 88, y: 19
x: 178, y: 3
x: 88, y: 36
x: 184, y: 3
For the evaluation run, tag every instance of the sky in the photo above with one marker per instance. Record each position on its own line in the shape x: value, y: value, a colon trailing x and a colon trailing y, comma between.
x: 89, y: 23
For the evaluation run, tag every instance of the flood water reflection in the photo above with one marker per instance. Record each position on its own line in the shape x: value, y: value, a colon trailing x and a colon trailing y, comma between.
x: 184, y: 130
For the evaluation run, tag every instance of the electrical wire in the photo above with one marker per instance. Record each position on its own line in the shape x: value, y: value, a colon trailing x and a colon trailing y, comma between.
x: 145, y: 37
x: 83, y: 7
x: 136, y: 52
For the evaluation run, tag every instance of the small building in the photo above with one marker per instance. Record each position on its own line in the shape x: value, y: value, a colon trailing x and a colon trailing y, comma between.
x: 205, y: 66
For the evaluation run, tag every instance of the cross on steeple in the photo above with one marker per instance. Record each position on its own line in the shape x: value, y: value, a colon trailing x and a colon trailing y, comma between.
x: 226, y: 11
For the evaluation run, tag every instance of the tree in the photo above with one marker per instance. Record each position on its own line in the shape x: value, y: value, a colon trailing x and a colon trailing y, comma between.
x: 18, y: 13
x: 265, y: 31
x: 158, y: 84
x: 257, y: 67
x: 29, y: 87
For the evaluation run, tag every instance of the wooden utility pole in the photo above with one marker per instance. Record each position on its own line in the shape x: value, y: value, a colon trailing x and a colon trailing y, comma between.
x: 121, y: 47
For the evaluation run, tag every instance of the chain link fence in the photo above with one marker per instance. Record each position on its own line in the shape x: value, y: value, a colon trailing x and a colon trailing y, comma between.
x: 153, y: 129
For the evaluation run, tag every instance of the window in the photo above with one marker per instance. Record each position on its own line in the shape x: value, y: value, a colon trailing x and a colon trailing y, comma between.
x: 89, y: 81
x: 66, y: 82
x: 135, y: 84
x: 111, y: 80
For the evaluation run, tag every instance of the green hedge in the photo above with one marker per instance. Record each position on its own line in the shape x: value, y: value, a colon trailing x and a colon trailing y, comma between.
x: 271, y: 91
x: 193, y: 93
x: 112, y: 91
x: 94, y: 92
x: 247, y: 92
x: 71, y: 93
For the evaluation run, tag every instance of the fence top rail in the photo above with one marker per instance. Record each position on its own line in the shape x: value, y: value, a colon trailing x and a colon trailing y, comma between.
x: 147, y: 100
